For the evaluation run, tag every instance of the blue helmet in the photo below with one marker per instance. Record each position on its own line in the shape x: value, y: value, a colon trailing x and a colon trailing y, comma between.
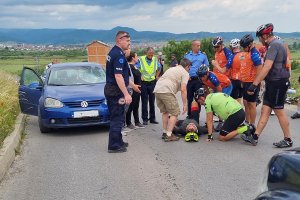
x: 246, y: 40
x: 202, y: 70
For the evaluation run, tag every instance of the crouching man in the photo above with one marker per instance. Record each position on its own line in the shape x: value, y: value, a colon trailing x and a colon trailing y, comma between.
x: 227, y: 109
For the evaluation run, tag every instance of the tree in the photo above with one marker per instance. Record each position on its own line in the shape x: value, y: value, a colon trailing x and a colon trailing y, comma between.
x: 184, y: 46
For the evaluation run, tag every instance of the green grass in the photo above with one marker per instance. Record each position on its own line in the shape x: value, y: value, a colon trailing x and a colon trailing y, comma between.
x: 9, y: 104
x: 295, y: 55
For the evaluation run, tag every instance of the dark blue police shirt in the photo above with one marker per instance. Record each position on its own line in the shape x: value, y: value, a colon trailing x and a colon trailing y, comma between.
x: 116, y: 64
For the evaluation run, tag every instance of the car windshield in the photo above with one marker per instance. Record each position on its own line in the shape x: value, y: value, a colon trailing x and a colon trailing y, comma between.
x: 76, y: 75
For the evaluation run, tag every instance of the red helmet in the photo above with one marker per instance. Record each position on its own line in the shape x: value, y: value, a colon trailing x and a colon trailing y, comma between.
x: 264, y: 29
x: 262, y: 49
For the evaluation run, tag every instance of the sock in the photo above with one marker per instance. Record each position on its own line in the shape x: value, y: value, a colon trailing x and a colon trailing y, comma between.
x: 242, y: 129
x: 164, y: 131
x: 287, y: 139
x: 169, y: 133
x: 255, y: 136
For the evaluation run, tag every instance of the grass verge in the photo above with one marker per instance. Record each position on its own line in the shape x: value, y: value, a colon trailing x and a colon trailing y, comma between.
x: 9, y: 104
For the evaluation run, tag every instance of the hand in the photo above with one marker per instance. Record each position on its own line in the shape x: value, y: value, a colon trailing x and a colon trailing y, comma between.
x: 214, y: 63
x: 184, y: 109
x: 136, y: 88
x: 251, y: 89
x: 128, y: 99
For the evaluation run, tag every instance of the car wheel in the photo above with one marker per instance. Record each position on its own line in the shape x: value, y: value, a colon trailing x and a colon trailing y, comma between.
x: 43, y: 129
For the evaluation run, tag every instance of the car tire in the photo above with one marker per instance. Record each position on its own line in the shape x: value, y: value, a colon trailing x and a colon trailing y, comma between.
x: 43, y: 129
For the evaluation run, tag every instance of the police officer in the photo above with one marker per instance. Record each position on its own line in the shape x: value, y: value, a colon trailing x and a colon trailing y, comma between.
x: 116, y: 93
x: 197, y: 58
x: 276, y: 75
x: 150, y: 70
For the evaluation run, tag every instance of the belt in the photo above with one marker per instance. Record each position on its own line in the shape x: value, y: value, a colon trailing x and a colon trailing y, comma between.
x: 148, y: 82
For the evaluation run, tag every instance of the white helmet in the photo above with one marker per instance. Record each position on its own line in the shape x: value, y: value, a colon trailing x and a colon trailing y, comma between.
x: 235, y: 43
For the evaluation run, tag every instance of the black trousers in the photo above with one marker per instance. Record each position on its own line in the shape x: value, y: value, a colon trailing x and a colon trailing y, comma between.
x: 133, y: 108
x: 148, y: 96
x: 192, y: 86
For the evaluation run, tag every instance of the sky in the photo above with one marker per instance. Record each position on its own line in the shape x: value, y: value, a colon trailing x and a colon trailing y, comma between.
x: 175, y: 16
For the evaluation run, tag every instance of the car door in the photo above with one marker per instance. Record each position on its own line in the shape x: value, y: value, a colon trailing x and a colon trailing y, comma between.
x: 30, y: 91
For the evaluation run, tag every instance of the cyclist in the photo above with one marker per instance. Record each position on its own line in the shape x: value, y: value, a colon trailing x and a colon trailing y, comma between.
x: 248, y: 73
x: 234, y: 64
x: 276, y: 76
x: 222, y: 54
x: 227, y: 109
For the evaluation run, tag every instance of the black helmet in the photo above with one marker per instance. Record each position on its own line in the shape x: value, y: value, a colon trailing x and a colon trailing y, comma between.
x: 264, y: 29
x: 246, y: 40
x: 199, y: 93
x: 217, y: 41
x: 202, y: 70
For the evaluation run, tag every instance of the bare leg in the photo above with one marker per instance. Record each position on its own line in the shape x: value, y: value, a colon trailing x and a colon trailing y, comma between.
x: 165, y: 118
x: 252, y: 112
x: 283, y: 121
x: 171, y: 123
x: 264, y: 118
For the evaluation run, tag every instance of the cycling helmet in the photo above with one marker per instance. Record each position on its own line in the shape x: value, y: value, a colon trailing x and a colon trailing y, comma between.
x: 217, y: 41
x: 235, y: 43
x: 202, y: 71
x: 199, y: 93
x: 264, y: 29
x: 246, y: 40
x: 191, y: 136
x: 277, y: 37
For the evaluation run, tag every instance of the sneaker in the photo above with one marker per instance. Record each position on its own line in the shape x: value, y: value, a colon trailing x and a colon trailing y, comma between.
x: 249, y: 138
x: 219, y: 126
x: 164, y: 136
x: 283, y: 144
x: 145, y: 123
x: 295, y: 116
x: 131, y: 126
x: 120, y: 150
x: 171, y: 138
x: 139, y: 125
x: 250, y: 130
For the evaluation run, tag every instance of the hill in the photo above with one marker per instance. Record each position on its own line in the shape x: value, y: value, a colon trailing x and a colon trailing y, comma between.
x: 84, y: 36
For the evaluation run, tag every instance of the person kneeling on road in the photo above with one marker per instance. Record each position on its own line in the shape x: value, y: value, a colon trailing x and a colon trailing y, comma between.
x: 227, y: 109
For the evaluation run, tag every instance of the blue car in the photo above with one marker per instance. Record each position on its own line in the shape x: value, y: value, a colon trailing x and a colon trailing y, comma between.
x: 71, y: 95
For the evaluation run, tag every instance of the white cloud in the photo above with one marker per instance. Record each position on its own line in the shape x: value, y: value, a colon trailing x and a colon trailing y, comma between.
x: 178, y: 17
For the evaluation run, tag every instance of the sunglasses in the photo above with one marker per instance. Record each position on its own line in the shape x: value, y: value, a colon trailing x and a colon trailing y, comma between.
x: 216, y: 47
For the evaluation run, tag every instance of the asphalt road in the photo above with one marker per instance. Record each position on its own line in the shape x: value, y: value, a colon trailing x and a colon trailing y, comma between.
x: 74, y: 165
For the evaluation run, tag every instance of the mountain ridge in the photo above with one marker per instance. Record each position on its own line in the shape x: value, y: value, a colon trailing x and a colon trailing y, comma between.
x: 45, y: 36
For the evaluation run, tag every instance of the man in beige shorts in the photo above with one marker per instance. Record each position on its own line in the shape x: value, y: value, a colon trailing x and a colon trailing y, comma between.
x: 173, y: 80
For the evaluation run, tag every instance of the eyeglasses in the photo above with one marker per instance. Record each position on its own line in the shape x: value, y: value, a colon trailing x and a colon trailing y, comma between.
x: 216, y: 46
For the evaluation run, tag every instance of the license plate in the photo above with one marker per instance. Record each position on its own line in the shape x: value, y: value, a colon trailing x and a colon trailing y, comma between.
x: 89, y: 113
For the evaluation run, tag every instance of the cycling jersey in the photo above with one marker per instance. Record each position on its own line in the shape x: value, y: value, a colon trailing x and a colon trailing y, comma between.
x: 214, y: 80
x: 221, y: 104
x: 223, y: 58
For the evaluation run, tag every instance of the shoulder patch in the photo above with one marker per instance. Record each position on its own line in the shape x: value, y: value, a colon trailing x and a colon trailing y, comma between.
x: 121, y: 60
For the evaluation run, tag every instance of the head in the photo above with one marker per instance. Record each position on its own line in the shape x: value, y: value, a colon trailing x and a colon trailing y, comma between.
x: 186, y: 64
x: 200, y: 96
x: 191, y: 127
x: 247, y: 42
x: 196, y: 44
x: 123, y: 40
x: 202, y: 72
x: 173, y: 57
x: 262, y: 50
x: 265, y: 33
x: 159, y: 54
x: 217, y: 43
x: 132, y: 57
x: 235, y: 44
x: 150, y: 53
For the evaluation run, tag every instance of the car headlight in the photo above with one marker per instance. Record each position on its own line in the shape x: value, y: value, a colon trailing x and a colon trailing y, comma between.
x: 52, y: 103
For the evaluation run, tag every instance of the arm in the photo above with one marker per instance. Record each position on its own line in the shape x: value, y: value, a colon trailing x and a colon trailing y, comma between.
x: 134, y: 86
x: 216, y: 65
x: 121, y: 85
x: 218, y: 88
x: 184, y: 97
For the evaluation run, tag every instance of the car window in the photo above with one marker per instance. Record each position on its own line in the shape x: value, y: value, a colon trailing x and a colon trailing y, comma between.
x: 76, y: 75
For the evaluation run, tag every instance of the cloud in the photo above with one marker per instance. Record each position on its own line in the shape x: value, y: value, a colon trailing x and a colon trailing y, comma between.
x: 171, y: 16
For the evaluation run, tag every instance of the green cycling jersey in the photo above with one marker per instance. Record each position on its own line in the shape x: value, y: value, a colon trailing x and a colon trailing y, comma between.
x: 222, y: 105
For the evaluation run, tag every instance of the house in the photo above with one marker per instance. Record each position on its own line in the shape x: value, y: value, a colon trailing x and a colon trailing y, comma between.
x: 97, y: 52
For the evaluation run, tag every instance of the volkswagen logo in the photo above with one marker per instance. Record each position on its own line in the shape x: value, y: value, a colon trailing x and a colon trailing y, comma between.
x: 84, y: 104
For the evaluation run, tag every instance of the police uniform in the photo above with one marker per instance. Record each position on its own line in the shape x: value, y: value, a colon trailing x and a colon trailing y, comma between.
x: 116, y: 64
x: 148, y: 70
x: 194, y: 83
